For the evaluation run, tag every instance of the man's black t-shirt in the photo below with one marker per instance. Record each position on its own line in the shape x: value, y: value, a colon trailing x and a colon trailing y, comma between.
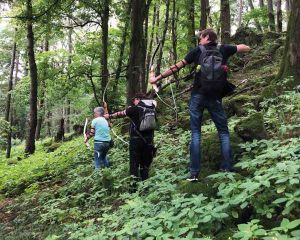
x: 134, y: 113
x: 194, y: 55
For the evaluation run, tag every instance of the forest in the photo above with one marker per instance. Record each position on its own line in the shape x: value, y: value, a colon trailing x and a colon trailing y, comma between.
x: 60, y: 60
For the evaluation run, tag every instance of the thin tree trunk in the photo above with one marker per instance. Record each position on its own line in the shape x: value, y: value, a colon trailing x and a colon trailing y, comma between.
x: 49, y: 115
x: 204, y: 15
x: 257, y: 24
x: 190, y: 4
x: 261, y: 4
x: 163, y: 38
x: 136, y: 67
x: 271, y: 15
x: 30, y: 140
x: 225, y: 21
x: 241, y: 6
x: 288, y: 5
x: 104, y: 54
x: 279, y: 15
x: 42, y: 96
x: 8, y: 114
x: 122, y: 48
x: 70, y: 50
x: 174, y: 31
x: 291, y: 59
x: 149, y: 53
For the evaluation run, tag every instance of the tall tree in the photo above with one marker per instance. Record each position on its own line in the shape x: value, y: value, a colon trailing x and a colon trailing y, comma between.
x: 8, y: 113
x: 279, y: 15
x: 42, y: 94
x: 175, y: 13
x: 225, y: 21
x: 257, y: 24
x: 271, y: 15
x: 241, y: 6
x: 136, y: 67
x: 204, y: 14
x: 190, y: 4
x: 104, y: 38
x: 261, y: 3
x: 163, y: 38
x: 30, y: 140
x: 291, y: 59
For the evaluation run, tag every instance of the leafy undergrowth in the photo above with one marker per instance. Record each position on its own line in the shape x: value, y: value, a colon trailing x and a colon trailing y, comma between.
x: 58, y: 195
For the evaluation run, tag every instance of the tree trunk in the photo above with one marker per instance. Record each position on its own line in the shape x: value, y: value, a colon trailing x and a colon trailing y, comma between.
x: 271, y: 15
x: 204, y: 14
x: 291, y: 59
x: 136, y: 67
x: 61, y: 131
x: 261, y: 4
x: 191, y: 22
x: 241, y: 6
x: 30, y: 140
x: 104, y: 54
x: 70, y: 50
x: 42, y: 96
x: 257, y: 24
x: 287, y: 5
x: 163, y: 38
x: 122, y: 48
x: 279, y: 15
x: 149, y: 53
x: 8, y: 114
x: 175, y: 13
x: 49, y: 115
x: 225, y: 21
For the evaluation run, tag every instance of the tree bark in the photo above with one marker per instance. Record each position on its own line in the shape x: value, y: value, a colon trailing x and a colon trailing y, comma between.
x: 257, y: 24
x: 8, y: 113
x: 70, y: 50
x: 271, y: 15
x: 225, y: 21
x: 279, y: 15
x: 149, y: 53
x: 61, y: 131
x: 191, y: 22
x: 288, y: 5
x: 241, y: 6
x: 163, y: 38
x: 104, y: 54
x: 204, y: 14
x: 175, y: 13
x: 136, y: 67
x: 42, y: 95
x: 261, y: 4
x: 291, y: 59
x: 30, y: 140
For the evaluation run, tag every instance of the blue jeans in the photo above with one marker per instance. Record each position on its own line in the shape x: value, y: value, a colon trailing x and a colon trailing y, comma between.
x: 197, y: 105
x: 100, y: 151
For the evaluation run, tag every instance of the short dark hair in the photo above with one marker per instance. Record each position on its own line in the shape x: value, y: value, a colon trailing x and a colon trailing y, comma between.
x: 140, y: 95
x: 212, y: 36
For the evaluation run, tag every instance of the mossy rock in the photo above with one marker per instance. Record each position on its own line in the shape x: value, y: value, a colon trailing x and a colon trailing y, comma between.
x: 211, y: 156
x: 53, y: 147
x: 247, y: 35
x: 270, y: 91
x: 251, y: 127
x: 235, y: 105
x: 202, y: 186
x: 258, y: 62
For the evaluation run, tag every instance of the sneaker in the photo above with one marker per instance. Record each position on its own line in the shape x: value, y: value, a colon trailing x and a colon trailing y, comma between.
x: 192, y: 178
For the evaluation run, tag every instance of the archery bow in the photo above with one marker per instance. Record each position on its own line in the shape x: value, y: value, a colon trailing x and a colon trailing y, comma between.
x: 84, y: 133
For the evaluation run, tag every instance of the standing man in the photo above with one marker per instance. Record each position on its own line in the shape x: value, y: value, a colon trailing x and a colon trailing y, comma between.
x: 100, y: 131
x: 210, y: 85
x: 141, y: 146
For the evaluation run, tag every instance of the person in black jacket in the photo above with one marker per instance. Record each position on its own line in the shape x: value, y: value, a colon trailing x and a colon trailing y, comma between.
x: 209, y: 86
x: 141, y: 145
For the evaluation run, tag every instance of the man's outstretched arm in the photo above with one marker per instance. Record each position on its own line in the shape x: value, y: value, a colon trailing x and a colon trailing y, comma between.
x: 242, y: 48
x: 173, y: 69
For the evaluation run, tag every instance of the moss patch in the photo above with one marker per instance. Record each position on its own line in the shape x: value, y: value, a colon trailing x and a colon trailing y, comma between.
x: 236, y: 105
x: 251, y: 127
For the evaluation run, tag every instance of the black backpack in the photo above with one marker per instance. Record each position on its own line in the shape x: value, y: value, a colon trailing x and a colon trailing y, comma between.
x: 212, y: 73
x: 147, y: 119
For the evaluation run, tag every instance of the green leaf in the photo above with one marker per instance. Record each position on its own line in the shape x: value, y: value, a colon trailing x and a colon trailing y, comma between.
x: 235, y: 214
x: 280, y: 200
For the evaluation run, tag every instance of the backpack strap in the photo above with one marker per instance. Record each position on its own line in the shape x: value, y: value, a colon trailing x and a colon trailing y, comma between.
x: 203, y: 51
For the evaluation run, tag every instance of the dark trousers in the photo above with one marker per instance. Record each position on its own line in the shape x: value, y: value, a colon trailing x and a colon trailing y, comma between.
x: 141, y: 155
